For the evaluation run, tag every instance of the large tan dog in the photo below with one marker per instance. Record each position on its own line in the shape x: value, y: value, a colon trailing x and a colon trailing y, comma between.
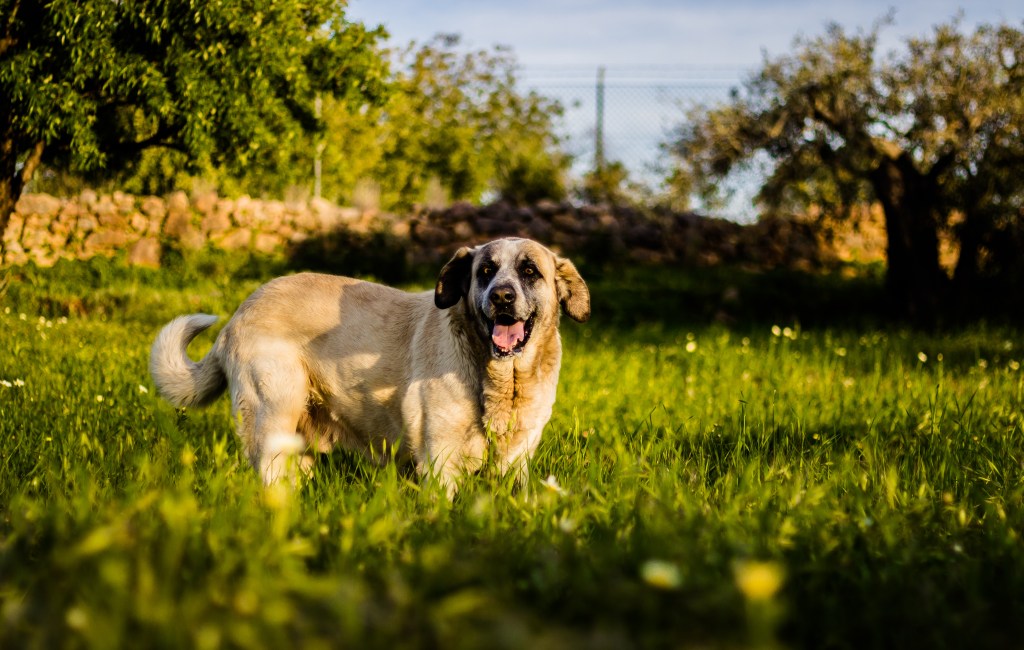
x: 313, y: 361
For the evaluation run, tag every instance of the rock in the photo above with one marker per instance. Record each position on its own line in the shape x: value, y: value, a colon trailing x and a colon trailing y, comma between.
x: 350, y: 215
x: 112, y: 220
x: 14, y: 228
x: 104, y: 241
x: 216, y: 221
x: 273, y: 214
x: 178, y: 202
x: 567, y: 222
x: 87, y: 223
x: 124, y: 203
x: 154, y: 207
x: 179, y: 217
x: 540, y: 230
x: 14, y: 254
x: 191, y: 238
x: 205, y: 203
x: 139, y: 223
x: 305, y: 220
x: 644, y: 235
x: 88, y: 198
x: 235, y: 240
x: 244, y: 211
x: 43, y: 257
x: 104, y: 208
x: 496, y: 227
x: 266, y: 242
x: 401, y: 229
x: 463, y: 231
x: 42, y: 205
x: 429, y: 235
x: 145, y: 252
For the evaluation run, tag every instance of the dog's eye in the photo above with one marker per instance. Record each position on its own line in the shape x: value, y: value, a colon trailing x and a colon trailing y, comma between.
x: 529, y: 270
x: 486, y: 270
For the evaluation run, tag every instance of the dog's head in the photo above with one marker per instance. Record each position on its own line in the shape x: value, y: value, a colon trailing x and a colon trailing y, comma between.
x: 512, y: 287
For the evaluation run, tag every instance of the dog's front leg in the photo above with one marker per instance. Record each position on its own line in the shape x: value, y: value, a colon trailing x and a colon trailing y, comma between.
x: 448, y: 464
x: 513, y: 456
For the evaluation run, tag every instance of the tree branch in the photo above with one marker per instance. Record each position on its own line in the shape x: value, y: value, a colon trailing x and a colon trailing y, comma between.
x: 8, y: 41
x: 29, y: 167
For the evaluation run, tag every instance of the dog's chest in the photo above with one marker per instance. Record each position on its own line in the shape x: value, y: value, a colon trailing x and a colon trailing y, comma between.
x: 516, y: 403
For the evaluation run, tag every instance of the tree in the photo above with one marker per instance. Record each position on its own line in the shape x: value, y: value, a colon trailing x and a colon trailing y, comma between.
x: 930, y: 133
x: 90, y: 85
x: 459, y: 120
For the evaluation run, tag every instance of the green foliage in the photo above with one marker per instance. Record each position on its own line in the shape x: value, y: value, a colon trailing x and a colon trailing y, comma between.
x: 92, y: 85
x: 606, y: 184
x: 815, y: 487
x: 455, y: 128
x: 931, y: 132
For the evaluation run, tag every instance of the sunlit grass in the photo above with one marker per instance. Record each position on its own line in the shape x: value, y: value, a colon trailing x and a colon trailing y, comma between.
x: 697, y: 486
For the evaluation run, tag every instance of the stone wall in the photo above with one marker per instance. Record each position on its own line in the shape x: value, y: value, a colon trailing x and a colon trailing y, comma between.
x: 45, y: 229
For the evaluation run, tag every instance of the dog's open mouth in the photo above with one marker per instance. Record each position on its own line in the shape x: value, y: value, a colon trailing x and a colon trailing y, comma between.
x: 508, y: 335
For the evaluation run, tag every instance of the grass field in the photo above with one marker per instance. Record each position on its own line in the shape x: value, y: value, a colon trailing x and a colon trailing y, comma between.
x: 766, y: 483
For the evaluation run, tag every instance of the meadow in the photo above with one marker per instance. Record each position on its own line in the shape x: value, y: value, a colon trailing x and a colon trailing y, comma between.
x: 790, y: 472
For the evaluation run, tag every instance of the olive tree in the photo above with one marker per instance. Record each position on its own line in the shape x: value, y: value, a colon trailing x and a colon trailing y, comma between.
x: 931, y: 132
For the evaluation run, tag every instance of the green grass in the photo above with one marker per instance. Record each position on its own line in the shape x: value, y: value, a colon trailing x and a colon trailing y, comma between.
x: 876, y: 471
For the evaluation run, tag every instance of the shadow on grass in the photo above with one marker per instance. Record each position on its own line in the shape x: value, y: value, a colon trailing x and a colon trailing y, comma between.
x: 624, y: 297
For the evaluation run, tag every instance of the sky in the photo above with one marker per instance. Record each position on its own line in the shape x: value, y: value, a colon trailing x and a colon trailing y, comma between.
x: 662, y: 56
x: 724, y: 33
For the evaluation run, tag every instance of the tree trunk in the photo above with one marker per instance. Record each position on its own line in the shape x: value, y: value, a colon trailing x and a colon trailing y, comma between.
x: 7, y: 202
x: 914, y: 279
x: 13, y: 180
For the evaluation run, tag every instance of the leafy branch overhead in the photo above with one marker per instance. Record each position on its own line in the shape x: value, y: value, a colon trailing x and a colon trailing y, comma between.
x: 90, y: 85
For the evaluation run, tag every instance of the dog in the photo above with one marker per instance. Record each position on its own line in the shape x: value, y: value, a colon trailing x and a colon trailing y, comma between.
x: 438, y: 379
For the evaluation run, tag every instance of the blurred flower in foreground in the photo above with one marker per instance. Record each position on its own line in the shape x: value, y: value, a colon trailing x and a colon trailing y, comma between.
x: 922, y: 357
x: 759, y: 580
x: 661, y: 574
x: 551, y: 483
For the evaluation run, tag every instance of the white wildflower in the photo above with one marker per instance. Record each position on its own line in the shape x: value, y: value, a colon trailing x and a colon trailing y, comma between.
x: 661, y: 574
x: 551, y: 483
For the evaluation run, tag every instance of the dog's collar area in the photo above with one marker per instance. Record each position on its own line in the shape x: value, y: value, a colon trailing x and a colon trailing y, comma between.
x: 508, y: 335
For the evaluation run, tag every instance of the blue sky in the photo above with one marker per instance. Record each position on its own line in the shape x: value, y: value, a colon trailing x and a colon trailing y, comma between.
x: 730, y: 33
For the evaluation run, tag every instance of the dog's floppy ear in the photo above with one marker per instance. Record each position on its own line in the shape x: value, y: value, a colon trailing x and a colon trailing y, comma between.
x: 572, y: 290
x: 453, y: 282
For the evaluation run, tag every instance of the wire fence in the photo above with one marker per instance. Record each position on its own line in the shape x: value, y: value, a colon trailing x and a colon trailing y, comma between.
x: 627, y: 114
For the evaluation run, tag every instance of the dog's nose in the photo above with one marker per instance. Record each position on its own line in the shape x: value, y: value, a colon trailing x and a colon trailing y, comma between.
x: 502, y: 296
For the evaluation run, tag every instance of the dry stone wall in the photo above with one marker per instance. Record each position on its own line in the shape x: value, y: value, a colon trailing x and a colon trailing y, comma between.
x: 45, y: 229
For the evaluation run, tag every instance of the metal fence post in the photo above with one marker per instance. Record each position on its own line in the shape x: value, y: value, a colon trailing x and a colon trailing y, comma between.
x: 599, y: 128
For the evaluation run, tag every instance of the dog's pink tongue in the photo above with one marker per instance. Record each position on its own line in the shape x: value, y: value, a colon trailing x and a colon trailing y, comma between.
x: 507, y: 336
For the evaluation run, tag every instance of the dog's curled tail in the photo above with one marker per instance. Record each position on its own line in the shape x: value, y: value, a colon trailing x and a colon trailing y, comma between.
x: 181, y: 381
